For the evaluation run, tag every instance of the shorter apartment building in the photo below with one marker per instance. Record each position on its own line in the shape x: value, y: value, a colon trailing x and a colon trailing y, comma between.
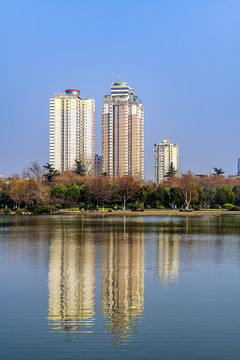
x: 98, y: 165
x: 165, y: 153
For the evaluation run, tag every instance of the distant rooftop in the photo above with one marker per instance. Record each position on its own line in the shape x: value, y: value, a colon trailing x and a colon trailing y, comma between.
x: 72, y: 91
x: 121, y: 89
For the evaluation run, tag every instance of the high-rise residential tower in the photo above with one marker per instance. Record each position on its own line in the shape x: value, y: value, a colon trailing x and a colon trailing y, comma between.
x: 122, y: 132
x: 72, y: 131
x: 165, y: 153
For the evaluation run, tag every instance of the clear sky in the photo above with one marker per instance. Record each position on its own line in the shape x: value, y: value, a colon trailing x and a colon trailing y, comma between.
x: 182, y: 58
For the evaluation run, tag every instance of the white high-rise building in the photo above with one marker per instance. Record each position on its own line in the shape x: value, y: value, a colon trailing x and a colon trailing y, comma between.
x: 122, y: 132
x: 165, y: 153
x: 72, y: 131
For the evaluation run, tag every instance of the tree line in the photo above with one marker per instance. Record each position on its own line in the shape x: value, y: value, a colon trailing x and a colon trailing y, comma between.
x: 42, y: 189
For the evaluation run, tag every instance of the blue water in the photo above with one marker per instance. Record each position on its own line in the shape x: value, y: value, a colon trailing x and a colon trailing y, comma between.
x: 75, y: 287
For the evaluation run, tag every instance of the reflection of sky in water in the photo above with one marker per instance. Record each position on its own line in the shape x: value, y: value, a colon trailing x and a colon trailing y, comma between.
x: 152, y: 287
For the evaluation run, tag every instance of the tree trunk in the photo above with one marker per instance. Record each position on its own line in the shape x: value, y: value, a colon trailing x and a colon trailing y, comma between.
x: 124, y: 203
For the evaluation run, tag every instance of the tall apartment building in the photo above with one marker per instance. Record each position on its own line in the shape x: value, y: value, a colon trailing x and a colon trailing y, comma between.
x: 72, y: 131
x: 165, y: 153
x: 122, y: 132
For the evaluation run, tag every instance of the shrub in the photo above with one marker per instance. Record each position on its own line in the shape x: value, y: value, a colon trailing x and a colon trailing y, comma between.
x: 235, y: 208
x: 7, y: 211
x: 134, y: 207
x: 117, y: 207
x: 196, y: 208
x: 214, y: 207
x: 148, y: 207
x: 81, y: 205
x: 39, y: 209
x: 129, y: 205
x: 21, y: 211
x: 161, y: 207
x: 58, y: 206
x: 227, y: 206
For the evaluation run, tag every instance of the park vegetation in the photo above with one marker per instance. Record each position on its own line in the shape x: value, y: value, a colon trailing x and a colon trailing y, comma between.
x: 43, y: 189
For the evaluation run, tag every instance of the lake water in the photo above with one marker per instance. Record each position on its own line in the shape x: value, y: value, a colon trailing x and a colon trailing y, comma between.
x: 75, y: 287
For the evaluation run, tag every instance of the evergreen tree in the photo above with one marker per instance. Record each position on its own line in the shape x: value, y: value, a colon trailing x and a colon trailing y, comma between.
x: 218, y: 171
x: 51, y: 172
x: 79, y: 168
x: 171, y: 172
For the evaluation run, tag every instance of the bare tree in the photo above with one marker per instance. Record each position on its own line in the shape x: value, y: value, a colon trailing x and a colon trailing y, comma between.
x: 17, y: 190
x: 128, y: 188
x: 99, y: 189
x: 188, y: 188
x: 35, y: 171
x: 67, y: 178
x: 36, y: 193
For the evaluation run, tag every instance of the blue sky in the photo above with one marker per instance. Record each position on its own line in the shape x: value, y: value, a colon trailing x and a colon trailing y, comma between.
x: 181, y: 57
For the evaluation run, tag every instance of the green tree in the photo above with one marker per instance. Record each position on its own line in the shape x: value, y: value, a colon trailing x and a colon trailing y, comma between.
x: 59, y: 191
x: 79, y: 168
x: 219, y: 197
x: 5, y: 199
x: 144, y: 193
x: 171, y: 172
x: 201, y: 197
x: 236, y: 191
x: 74, y: 192
x: 175, y: 196
x: 209, y: 196
x: 51, y: 172
x: 230, y: 197
x: 159, y: 196
x: 218, y: 171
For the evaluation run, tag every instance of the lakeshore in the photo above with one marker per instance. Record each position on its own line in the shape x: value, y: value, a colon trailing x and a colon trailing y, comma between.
x: 150, y: 213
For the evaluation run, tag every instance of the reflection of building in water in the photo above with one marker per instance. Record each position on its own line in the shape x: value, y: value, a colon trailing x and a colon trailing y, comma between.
x: 71, y: 281
x: 166, y: 257
x: 122, y: 282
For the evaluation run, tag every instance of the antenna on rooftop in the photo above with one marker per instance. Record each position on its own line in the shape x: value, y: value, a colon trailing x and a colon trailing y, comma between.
x: 72, y: 85
x: 118, y: 77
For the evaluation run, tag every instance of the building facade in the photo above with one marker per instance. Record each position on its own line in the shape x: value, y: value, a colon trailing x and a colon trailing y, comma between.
x: 165, y: 153
x: 122, y: 132
x: 98, y: 165
x: 238, y: 168
x: 72, y: 131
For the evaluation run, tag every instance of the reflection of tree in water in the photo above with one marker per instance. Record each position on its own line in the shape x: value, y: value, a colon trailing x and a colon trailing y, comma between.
x: 166, y: 256
x: 71, y: 280
x: 122, y: 282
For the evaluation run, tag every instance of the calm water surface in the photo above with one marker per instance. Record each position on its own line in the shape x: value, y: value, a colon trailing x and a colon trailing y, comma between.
x: 119, y: 288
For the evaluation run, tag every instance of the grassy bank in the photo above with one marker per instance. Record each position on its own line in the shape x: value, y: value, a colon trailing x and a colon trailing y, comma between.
x: 152, y: 213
